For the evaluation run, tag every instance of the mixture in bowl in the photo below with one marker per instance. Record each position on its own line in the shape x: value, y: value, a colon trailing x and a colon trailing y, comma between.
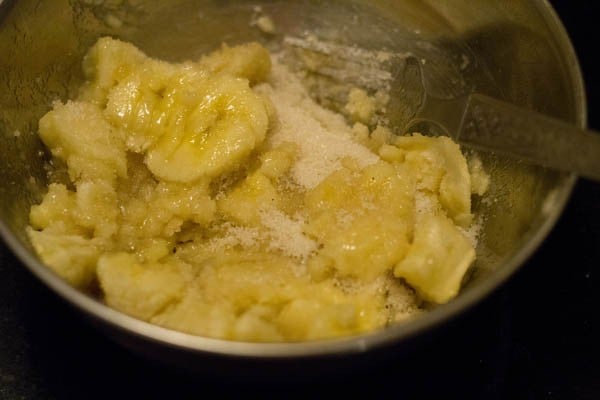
x: 218, y: 198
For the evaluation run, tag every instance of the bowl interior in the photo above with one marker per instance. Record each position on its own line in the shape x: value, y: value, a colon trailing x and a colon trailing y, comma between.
x: 512, y: 50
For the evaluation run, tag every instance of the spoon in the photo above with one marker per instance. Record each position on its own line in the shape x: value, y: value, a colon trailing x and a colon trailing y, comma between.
x: 473, y: 119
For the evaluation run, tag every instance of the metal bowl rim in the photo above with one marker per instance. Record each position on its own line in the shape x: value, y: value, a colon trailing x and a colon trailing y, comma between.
x: 337, y: 346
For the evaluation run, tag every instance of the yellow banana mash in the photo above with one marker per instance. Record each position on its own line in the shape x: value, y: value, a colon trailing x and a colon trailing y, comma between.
x: 217, y: 198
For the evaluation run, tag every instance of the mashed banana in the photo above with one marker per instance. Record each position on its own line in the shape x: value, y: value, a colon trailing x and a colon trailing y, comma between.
x: 217, y: 198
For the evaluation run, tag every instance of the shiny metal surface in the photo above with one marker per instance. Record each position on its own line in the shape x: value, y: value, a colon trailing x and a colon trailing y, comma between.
x: 472, y: 119
x: 516, y: 50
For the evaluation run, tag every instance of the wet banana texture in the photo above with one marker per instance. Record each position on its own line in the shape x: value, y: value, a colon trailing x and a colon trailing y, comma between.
x: 188, y: 121
x: 184, y: 214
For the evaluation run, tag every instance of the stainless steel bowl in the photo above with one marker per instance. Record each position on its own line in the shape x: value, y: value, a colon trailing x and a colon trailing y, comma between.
x: 517, y: 50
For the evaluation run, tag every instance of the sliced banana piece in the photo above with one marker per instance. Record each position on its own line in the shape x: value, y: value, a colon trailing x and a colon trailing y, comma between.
x: 213, y: 137
x: 437, y: 259
x: 191, y: 120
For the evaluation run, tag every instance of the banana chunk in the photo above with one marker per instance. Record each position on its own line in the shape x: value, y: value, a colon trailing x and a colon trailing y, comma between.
x: 72, y: 257
x: 213, y: 137
x: 440, y: 168
x: 437, y: 259
x: 140, y: 290
x: 251, y: 61
x: 77, y: 133
x: 191, y: 120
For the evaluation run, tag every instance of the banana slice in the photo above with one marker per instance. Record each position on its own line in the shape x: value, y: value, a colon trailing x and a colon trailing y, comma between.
x: 362, y: 219
x: 140, y: 290
x: 437, y: 260
x: 105, y: 64
x: 191, y: 121
x: 72, y: 257
x: 440, y: 168
x: 251, y: 61
x: 213, y: 137
x: 77, y: 133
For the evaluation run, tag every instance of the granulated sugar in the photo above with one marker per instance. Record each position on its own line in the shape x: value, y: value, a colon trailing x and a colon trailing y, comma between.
x: 323, y: 137
x: 282, y: 233
x: 473, y: 231
x: 234, y: 236
x: 286, y: 234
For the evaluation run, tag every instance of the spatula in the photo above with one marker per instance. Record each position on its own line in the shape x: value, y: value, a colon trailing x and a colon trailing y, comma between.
x: 473, y: 119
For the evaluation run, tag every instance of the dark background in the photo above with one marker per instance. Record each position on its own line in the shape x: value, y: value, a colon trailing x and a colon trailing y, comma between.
x: 535, y: 338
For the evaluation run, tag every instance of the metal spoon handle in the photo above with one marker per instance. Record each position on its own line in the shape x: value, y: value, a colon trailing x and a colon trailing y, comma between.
x: 490, y: 124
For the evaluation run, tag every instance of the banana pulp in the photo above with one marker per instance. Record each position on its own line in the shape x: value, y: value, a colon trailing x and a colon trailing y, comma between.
x: 193, y: 207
